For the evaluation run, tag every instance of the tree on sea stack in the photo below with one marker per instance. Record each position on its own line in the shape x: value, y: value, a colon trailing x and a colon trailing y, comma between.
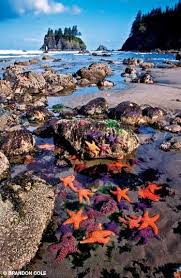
x: 68, y: 39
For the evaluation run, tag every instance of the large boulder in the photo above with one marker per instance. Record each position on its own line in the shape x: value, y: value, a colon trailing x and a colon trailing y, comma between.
x: 59, y: 83
x: 94, y: 73
x: 30, y: 82
x: 94, y: 107
x: 128, y: 113
x: 17, y: 141
x: 26, y: 208
x: 11, y: 73
x: 90, y: 139
x: 4, y: 166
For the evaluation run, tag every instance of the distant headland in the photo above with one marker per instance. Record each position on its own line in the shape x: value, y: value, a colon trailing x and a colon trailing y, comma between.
x: 68, y: 39
x: 157, y: 29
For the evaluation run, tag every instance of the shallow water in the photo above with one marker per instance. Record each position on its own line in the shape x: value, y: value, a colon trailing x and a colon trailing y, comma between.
x: 72, y: 61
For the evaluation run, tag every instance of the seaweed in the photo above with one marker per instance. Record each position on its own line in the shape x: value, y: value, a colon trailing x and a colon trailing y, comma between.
x: 57, y: 108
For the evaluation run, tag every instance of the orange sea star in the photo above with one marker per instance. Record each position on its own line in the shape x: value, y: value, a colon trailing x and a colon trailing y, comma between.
x: 121, y: 194
x: 148, y: 221
x: 84, y: 194
x: 145, y: 193
x: 132, y: 221
x: 115, y: 166
x: 75, y: 218
x: 98, y: 236
x: 68, y: 182
x: 153, y: 187
x: 93, y: 148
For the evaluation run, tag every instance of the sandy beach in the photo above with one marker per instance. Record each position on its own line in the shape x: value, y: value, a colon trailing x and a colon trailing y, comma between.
x: 165, y: 93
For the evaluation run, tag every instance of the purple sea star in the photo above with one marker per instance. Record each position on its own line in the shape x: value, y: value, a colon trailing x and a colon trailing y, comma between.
x: 123, y: 205
x: 144, y: 235
x: 111, y: 139
x: 90, y: 225
x: 112, y: 226
x: 62, y: 230
x: 141, y: 206
x: 67, y: 246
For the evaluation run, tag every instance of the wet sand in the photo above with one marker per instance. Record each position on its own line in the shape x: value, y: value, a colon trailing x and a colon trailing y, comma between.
x: 165, y: 93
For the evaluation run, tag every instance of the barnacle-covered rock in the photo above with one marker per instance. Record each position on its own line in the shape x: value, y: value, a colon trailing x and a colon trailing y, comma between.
x: 5, y: 89
x: 59, y: 83
x: 26, y: 208
x: 18, y: 141
x: 94, y: 73
x: 153, y: 113
x: 94, y: 139
x: 38, y: 114
x: 30, y: 82
x: 173, y: 144
x: 128, y: 113
x: 4, y: 166
x: 94, y: 107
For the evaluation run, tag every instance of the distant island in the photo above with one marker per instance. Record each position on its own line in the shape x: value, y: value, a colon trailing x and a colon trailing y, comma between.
x: 157, y: 29
x: 68, y: 39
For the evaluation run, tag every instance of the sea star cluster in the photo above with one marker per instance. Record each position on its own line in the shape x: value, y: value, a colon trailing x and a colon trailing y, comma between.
x: 94, y: 207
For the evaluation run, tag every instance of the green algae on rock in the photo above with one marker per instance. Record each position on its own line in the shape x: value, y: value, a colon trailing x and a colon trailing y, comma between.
x: 90, y: 139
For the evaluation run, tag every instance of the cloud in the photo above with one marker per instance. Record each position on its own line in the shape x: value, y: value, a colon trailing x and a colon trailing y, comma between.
x: 38, y: 6
x: 76, y: 10
x: 14, y: 8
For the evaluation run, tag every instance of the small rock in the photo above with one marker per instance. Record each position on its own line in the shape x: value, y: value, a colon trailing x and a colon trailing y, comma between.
x: 173, y: 128
x: 173, y: 144
x: 47, y: 58
x: 105, y: 83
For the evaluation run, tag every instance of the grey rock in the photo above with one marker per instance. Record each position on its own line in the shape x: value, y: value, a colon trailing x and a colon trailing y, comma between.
x: 26, y: 208
x: 4, y: 166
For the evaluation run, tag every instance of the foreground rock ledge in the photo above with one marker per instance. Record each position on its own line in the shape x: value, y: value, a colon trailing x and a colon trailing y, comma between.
x: 91, y: 139
x: 26, y: 208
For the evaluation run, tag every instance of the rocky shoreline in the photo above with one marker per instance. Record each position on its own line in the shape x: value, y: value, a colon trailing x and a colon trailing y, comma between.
x: 102, y: 141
